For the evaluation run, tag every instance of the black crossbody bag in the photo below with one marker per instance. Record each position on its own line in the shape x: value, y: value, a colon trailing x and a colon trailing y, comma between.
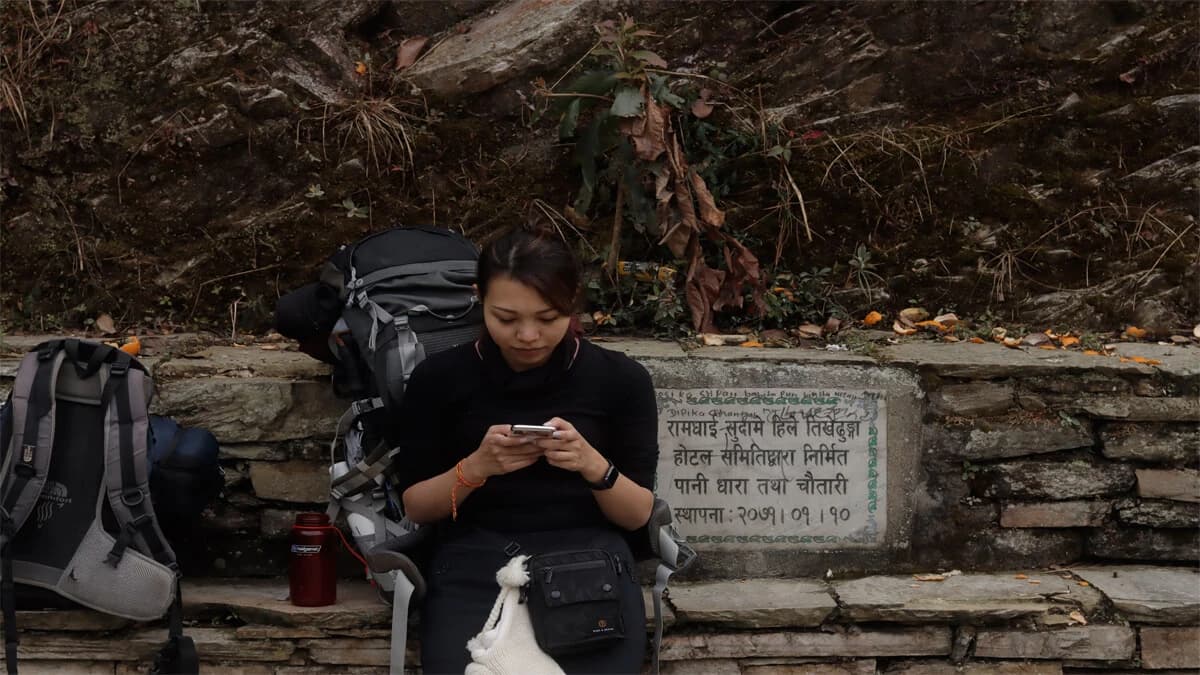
x: 574, y: 600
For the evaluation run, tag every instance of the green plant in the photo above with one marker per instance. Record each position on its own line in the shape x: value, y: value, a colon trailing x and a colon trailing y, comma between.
x: 862, y: 270
x: 627, y: 118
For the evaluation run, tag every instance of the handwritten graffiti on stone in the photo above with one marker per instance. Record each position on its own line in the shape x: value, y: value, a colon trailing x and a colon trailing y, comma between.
x: 775, y: 466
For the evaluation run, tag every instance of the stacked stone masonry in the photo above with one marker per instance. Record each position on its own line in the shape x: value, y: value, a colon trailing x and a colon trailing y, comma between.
x: 1066, y: 488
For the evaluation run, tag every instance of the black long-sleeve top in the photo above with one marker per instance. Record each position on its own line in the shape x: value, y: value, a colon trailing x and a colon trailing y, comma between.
x: 454, y: 396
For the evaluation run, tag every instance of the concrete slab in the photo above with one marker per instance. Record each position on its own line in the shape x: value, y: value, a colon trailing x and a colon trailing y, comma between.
x: 756, y: 603
x: 1147, y: 593
x: 968, y: 598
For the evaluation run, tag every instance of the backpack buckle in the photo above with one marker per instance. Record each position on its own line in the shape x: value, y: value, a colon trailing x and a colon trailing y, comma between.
x: 132, y: 498
x: 118, y: 368
x: 512, y: 549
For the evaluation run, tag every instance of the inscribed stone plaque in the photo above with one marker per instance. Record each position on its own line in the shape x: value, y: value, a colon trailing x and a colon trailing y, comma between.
x: 789, y: 467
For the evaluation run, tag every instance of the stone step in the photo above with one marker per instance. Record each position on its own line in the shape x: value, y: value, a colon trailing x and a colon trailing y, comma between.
x: 755, y: 603
x: 966, y: 598
x: 1146, y: 593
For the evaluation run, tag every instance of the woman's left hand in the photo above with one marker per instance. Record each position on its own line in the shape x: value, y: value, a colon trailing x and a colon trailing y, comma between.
x: 569, y: 450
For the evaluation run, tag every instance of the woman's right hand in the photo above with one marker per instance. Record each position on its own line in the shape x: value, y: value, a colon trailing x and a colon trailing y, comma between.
x: 499, y: 453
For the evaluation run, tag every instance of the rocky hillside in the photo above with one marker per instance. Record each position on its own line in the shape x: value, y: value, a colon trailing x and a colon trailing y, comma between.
x: 182, y: 163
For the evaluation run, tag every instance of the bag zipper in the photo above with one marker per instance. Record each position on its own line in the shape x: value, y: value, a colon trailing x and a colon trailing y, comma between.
x: 548, y: 573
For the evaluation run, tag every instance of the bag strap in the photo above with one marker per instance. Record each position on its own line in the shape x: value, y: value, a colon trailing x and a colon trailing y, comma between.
x: 674, y: 556
x: 402, y: 592
x: 409, y: 270
x: 8, y: 598
x: 125, y: 474
x: 33, y: 408
x: 178, y: 654
x: 362, y: 475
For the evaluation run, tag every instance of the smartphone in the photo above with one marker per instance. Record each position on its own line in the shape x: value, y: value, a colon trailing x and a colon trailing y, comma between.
x: 532, y: 430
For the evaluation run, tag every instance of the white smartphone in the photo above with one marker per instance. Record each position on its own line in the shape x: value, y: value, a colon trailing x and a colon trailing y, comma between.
x: 532, y: 430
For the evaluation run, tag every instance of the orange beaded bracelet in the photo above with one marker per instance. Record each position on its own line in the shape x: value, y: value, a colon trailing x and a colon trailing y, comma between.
x: 460, y: 479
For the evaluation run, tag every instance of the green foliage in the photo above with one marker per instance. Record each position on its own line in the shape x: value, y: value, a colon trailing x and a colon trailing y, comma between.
x: 630, y: 305
x: 798, y: 298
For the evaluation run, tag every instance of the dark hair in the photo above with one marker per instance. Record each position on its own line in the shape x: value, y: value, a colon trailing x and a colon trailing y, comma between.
x: 538, y: 259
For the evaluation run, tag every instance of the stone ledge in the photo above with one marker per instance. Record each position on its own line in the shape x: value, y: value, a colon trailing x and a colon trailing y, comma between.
x: 755, y: 603
x: 265, y: 601
x: 1081, y: 643
x: 923, y: 641
x: 967, y: 598
x: 1148, y: 594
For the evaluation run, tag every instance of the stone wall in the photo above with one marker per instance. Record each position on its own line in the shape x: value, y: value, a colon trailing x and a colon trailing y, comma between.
x: 1045, y: 476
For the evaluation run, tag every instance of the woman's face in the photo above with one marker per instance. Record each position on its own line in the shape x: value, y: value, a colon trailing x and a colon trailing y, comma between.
x: 522, y: 323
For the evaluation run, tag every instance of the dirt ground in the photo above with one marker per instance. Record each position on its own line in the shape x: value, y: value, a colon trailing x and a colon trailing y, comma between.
x: 1014, y: 163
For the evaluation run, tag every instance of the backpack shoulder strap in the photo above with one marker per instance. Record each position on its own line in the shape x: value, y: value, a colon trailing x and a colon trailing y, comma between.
x: 28, y: 461
x: 125, y: 476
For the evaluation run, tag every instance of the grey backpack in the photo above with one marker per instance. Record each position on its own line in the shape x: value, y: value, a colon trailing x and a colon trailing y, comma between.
x: 75, y: 511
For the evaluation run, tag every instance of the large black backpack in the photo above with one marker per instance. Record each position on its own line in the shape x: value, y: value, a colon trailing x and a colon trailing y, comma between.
x: 76, y: 512
x: 381, y: 305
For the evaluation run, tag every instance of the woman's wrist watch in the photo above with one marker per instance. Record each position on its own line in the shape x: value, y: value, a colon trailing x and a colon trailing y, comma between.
x: 606, y: 481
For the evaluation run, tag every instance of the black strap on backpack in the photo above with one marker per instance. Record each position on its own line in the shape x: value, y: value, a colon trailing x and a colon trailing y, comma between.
x: 8, y: 597
x: 178, y: 653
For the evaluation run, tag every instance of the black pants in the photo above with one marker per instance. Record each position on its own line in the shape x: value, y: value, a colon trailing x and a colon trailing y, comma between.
x: 462, y: 589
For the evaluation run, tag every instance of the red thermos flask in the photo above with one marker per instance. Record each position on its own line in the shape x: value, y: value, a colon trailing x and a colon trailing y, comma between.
x: 313, y: 563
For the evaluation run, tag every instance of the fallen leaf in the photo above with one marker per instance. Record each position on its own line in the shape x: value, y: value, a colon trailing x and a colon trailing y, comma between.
x: 929, y: 577
x: 1145, y: 361
x: 1011, y: 343
x: 1021, y: 576
x: 914, y: 314
x: 701, y: 108
x: 999, y: 333
x: 1084, y: 584
x: 947, y: 319
x: 360, y: 67
x: 809, y: 331
x: 1077, y: 617
x: 875, y: 317
x: 753, y: 344
x: 950, y: 338
x: 1068, y: 341
x: 914, y: 585
x: 934, y: 325
x: 132, y: 346
x: 1034, y: 581
x: 1050, y: 334
x: 1048, y: 346
x: 977, y: 340
x: 1035, y: 339
x: 409, y: 50
x: 832, y: 325
x: 1092, y: 352
x: 901, y: 329
x: 269, y: 348
x: 1196, y: 331
x: 105, y: 323
x: 1179, y: 340
x: 1135, y: 332
x: 711, y: 340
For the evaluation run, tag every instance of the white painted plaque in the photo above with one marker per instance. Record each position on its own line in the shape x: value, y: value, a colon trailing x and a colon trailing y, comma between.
x: 790, y: 467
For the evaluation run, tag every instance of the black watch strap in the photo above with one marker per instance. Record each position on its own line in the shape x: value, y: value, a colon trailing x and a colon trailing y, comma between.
x: 608, y: 480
